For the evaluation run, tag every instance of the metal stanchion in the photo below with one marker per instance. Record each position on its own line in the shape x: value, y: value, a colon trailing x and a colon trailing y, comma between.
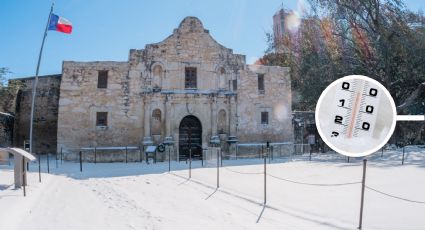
x: 126, y: 154
x: 95, y: 155
x: 362, y: 197
x: 81, y: 162
x: 265, y: 181
x: 221, y: 158
x: 39, y: 168
x: 190, y: 162
x: 140, y: 154
x: 61, y: 155
x: 48, y: 164
x: 218, y: 168
x: 402, y: 159
x: 24, y: 183
x: 169, y: 159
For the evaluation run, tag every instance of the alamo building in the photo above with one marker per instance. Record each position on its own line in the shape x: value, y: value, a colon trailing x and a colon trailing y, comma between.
x: 187, y: 88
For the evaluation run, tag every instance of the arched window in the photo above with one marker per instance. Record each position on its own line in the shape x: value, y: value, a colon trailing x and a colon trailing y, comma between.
x: 157, y: 76
x: 157, y: 71
x: 156, y: 122
x: 221, y: 124
x: 222, y: 78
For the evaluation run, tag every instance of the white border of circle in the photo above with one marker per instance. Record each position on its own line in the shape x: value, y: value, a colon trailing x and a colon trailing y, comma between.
x: 387, y: 93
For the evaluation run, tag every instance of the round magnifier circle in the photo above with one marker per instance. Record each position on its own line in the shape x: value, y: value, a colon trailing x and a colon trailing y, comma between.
x: 355, y: 116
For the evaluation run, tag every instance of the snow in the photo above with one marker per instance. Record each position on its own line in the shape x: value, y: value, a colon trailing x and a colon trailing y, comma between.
x: 140, y: 196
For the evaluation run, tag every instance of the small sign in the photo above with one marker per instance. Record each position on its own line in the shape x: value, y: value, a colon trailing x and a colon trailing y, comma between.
x: 151, y: 149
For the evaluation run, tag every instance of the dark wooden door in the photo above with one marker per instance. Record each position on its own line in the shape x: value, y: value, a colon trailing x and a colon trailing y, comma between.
x: 190, y: 137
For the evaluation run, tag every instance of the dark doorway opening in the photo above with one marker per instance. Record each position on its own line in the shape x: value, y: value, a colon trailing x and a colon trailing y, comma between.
x: 190, y: 138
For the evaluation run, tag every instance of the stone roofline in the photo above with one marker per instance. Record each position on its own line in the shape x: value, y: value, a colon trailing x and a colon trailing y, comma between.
x: 33, y: 77
x: 94, y: 63
x: 268, y: 66
x: 189, y: 24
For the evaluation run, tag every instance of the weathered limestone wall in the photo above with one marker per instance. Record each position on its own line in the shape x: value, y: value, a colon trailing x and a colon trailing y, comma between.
x: 162, y: 65
x: 81, y: 100
x: 152, y: 84
x: 45, y: 113
x: 276, y: 100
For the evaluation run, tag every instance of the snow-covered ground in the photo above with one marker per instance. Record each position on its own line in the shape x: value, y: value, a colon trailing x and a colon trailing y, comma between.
x: 140, y: 196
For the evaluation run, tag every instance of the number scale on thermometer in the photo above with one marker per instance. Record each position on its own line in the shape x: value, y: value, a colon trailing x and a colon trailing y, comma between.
x: 355, y: 109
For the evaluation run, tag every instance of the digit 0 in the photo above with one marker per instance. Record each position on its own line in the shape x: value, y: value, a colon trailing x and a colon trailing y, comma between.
x: 373, y: 92
x: 369, y: 109
x: 365, y: 126
x: 345, y: 85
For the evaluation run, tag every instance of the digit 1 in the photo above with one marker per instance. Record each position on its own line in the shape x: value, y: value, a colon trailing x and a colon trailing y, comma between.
x: 365, y: 126
x: 373, y: 92
x: 369, y: 109
x: 342, y: 102
x: 338, y: 119
x: 345, y: 85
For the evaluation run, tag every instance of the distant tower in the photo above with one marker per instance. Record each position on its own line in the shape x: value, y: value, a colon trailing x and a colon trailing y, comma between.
x: 279, y: 29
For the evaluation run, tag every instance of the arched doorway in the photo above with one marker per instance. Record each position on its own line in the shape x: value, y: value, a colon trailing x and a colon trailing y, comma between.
x: 190, y: 137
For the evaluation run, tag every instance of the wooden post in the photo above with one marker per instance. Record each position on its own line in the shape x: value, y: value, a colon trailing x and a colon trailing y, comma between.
x: 362, y: 196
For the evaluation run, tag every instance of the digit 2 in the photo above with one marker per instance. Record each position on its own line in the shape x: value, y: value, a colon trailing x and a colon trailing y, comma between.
x: 338, y: 119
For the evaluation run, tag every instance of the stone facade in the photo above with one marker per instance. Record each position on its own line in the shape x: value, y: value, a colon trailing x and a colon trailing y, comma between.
x: 147, y: 98
x: 45, y: 113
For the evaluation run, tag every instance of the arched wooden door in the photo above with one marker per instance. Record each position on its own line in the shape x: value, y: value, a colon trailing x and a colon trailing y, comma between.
x: 190, y: 137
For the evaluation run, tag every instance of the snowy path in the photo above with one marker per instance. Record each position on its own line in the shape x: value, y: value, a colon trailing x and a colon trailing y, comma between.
x: 135, y: 196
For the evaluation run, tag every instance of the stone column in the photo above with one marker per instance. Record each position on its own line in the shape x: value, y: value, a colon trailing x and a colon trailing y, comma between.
x: 167, y: 115
x: 232, y: 115
x: 213, y: 105
x: 147, y: 116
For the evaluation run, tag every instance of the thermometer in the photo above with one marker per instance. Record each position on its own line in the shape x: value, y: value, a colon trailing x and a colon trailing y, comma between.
x: 355, y: 115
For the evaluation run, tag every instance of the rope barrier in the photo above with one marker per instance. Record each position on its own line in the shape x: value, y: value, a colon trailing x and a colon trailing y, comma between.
x: 395, y: 197
x: 247, y: 173
x: 313, y: 184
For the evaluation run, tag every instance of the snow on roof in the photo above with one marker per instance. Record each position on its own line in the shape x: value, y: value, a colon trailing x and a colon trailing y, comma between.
x: 6, y: 114
x: 19, y: 151
x: 151, y: 149
x: 196, y: 91
x: 111, y: 148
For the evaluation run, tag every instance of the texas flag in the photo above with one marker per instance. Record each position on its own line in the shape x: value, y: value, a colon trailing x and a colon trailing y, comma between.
x: 60, y: 24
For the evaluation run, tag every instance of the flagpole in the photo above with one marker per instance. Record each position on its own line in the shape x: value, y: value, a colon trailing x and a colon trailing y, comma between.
x: 34, y: 85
